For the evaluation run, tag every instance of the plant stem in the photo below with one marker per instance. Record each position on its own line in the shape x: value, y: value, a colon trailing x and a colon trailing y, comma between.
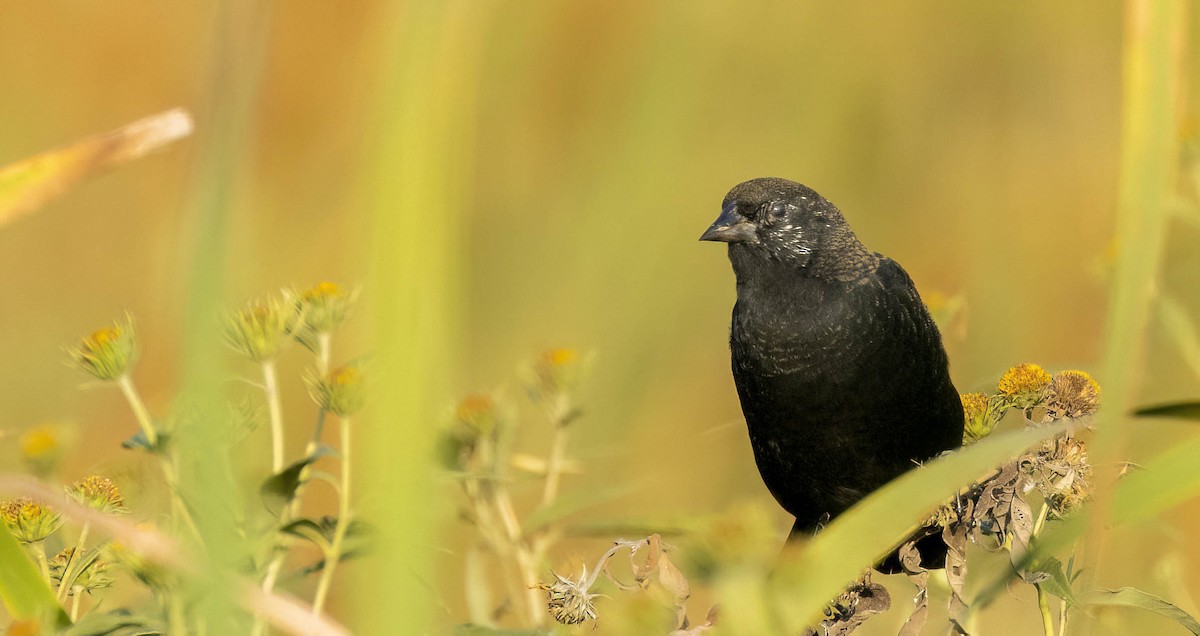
x: 343, y: 522
x: 558, y: 448
x: 324, y: 350
x: 39, y: 554
x: 139, y: 410
x: 75, y: 603
x: 179, y: 509
x: 70, y: 571
x: 271, y: 386
x: 1044, y: 606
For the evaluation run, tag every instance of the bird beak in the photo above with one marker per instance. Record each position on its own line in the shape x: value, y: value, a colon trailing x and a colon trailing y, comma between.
x: 731, y: 227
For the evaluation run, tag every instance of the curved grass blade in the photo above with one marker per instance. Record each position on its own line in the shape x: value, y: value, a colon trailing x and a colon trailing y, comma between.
x: 819, y: 570
x: 1133, y: 597
x: 25, y: 593
x: 31, y: 183
x: 1175, y: 410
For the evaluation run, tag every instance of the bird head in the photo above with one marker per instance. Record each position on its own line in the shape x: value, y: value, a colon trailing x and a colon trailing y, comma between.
x: 783, y: 221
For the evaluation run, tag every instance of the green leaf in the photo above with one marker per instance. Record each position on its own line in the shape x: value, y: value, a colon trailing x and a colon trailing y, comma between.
x: 25, y: 593
x: 1166, y: 481
x: 1175, y: 320
x: 1133, y: 597
x: 567, y: 505
x: 1176, y: 410
x: 279, y: 489
x: 871, y: 529
x: 118, y: 622
x: 1056, y: 581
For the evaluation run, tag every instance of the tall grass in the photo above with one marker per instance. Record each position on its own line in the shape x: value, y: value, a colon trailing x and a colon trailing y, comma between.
x: 415, y: 190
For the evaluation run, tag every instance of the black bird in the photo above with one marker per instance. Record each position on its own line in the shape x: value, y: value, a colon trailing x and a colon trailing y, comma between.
x: 840, y: 369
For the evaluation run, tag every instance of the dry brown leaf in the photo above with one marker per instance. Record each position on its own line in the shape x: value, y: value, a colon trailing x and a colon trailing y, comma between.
x: 30, y: 183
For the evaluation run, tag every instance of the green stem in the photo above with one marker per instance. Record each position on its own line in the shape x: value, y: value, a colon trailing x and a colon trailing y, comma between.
x: 558, y: 448
x: 271, y: 386
x: 139, y: 410
x: 75, y: 603
x: 324, y: 351
x: 70, y: 572
x: 1044, y: 606
x: 39, y: 554
x: 179, y: 509
x: 343, y: 522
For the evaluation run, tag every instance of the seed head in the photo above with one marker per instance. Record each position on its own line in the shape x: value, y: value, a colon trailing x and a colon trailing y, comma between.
x: 94, y: 576
x: 98, y: 493
x: 29, y: 520
x: 568, y: 601
x: 341, y: 392
x: 107, y: 353
x: 1073, y: 394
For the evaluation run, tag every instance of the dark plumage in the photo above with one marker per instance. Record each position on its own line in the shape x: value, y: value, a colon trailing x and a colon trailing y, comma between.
x: 839, y: 367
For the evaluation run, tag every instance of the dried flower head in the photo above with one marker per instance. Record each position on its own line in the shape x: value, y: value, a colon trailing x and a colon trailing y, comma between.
x: 980, y: 416
x: 321, y: 309
x: 1065, y: 474
x: 568, y: 601
x: 341, y: 392
x: 945, y: 516
x: 1024, y: 380
x: 29, y: 520
x: 261, y: 329
x: 98, y: 493
x: 1072, y: 394
x: 107, y: 353
x: 93, y: 576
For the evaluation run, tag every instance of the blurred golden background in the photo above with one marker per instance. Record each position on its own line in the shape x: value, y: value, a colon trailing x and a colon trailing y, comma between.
x: 592, y: 142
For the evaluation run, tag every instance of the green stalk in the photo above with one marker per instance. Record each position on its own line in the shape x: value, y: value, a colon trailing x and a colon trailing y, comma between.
x: 39, y: 554
x: 75, y: 603
x: 69, y: 572
x: 180, y: 511
x: 274, y: 408
x: 1044, y: 607
x: 1152, y: 80
x: 139, y: 410
x: 343, y: 522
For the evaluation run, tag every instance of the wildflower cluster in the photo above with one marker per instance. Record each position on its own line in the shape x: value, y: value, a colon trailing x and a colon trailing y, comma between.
x: 261, y: 331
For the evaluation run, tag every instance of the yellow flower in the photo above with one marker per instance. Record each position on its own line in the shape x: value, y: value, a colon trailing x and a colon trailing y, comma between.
x: 556, y: 371
x: 1073, y: 394
x: 108, y: 352
x: 1024, y: 378
x: 321, y: 308
x: 98, y: 493
x: 341, y: 392
x: 261, y: 329
x: 477, y: 413
x: 980, y: 416
x: 29, y: 520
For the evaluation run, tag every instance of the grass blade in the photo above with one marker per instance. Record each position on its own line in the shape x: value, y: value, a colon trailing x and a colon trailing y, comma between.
x: 25, y: 593
x: 29, y: 184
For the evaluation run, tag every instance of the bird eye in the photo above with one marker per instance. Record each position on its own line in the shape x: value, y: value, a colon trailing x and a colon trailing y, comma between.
x: 776, y: 210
